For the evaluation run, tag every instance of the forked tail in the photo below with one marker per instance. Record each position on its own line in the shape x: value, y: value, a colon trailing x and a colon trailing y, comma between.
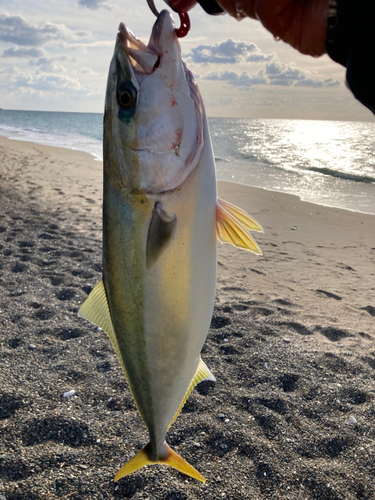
x: 141, y: 459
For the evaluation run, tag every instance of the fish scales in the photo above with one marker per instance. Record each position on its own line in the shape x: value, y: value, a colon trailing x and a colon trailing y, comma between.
x: 161, y: 219
x: 165, y: 307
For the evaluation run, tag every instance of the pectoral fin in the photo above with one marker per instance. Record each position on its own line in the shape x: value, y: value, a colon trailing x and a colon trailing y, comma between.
x: 232, y: 226
x: 242, y: 217
x: 160, y: 231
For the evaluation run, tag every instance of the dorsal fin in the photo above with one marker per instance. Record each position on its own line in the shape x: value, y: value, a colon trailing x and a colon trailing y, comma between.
x: 96, y: 310
x: 160, y: 231
x: 232, y: 226
x: 201, y: 373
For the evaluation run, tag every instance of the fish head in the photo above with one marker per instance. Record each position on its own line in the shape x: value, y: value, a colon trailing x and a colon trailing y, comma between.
x: 153, y: 125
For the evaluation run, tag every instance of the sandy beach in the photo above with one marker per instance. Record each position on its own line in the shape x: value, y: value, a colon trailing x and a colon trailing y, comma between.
x: 291, y: 344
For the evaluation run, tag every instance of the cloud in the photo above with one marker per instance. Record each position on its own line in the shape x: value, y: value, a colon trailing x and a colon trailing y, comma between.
x: 284, y: 74
x: 20, y: 31
x: 228, y: 52
x: 43, y: 84
x: 23, y: 52
x: 95, y: 4
x: 329, y: 82
x: 289, y: 75
x: 275, y: 73
x: 309, y: 82
x: 88, y: 71
x: 278, y: 103
x: 226, y: 101
x: 48, y: 64
x: 234, y: 79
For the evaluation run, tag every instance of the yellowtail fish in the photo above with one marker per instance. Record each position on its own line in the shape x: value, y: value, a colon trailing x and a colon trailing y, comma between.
x: 161, y: 218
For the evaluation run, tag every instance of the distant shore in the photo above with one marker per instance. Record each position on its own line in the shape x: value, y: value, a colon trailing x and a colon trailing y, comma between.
x: 292, y: 346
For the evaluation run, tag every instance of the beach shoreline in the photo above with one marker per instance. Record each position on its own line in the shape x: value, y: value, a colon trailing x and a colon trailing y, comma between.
x: 329, y: 163
x: 291, y: 344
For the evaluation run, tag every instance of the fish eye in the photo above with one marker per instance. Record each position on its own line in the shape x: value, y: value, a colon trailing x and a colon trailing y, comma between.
x: 126, y: 99
x: 126, y: 95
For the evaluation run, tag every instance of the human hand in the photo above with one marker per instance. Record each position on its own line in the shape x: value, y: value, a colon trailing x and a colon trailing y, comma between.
x: 300, y: 23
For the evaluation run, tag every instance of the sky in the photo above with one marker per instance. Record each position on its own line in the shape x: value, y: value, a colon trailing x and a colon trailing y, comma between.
x: 54, y: 56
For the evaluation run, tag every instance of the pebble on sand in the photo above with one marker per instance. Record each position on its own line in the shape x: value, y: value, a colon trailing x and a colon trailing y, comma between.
x: 69, y: 394
x: 352, y: 420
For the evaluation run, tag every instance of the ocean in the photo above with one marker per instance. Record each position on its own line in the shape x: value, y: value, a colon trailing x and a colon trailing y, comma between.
x: 329, y: 163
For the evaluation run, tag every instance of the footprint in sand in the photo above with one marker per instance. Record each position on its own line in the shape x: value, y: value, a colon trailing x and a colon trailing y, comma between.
x: 283, y: 302
x: 365, y: 335
x: 240, y: 307
x: 369, y: 309
x: 9, y: 404
x: 263, y: 311
x: 14, y: 343
x: 329, y: 295
x: 288, y: 382
x: 56, y: 280
x: 370, y: 361
x: 104, y: 367
x: 275, y: 404
x: 66, y: 294
x: 297, y: 327
x: 334, y: 334
x: 19, y: 267
x: 46, y: 236
x: 44, y: 314
x: 69, y: 333
x: 66, y: 431
x: 219, y: 322
x: 26, y: 244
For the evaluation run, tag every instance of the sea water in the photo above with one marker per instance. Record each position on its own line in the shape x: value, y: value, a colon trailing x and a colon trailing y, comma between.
x: 325, y: 162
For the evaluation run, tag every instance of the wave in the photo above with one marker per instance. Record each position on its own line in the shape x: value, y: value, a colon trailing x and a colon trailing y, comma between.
x: 343, y: 175
x: 58, y: 139
x: 217, y: 158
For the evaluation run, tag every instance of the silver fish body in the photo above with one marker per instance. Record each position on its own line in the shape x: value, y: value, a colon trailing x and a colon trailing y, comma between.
x: 161, y: 219
x: 161, y: 314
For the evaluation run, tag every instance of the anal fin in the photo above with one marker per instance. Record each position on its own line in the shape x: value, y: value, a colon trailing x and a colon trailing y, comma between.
x: 201, y: 373
x: 233, y: 224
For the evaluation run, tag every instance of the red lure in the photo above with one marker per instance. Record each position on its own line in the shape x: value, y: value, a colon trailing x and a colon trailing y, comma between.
x: 184, y: 29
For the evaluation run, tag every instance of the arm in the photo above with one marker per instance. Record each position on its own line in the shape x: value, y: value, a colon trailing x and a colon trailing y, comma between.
x: 302, y: 24
x: 342, y: 28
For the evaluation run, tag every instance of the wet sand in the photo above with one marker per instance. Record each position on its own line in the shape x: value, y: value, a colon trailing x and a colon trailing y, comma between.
x: 292, y: 346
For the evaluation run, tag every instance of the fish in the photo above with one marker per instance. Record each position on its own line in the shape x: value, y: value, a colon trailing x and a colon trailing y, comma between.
x: 161, y: 221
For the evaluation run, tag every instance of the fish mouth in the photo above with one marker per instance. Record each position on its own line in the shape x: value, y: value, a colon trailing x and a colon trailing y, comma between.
x: 145, y: 59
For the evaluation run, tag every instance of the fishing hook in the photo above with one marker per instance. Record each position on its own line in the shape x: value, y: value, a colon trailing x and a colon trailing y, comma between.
x: 154, y: 10
x: 184, y: 29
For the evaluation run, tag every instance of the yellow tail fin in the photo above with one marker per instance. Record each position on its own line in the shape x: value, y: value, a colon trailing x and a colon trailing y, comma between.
x: 141, y: 459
